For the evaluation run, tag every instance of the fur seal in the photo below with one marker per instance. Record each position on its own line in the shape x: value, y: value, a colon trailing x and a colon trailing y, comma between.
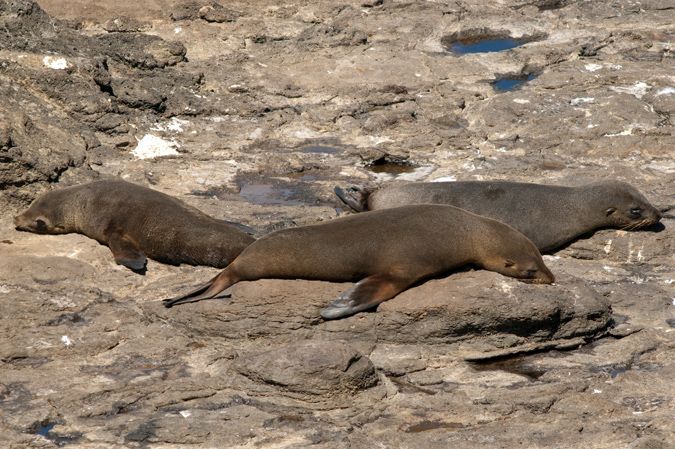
x: 134, y: 221
x: 384, y: 252
x: 549, y: 215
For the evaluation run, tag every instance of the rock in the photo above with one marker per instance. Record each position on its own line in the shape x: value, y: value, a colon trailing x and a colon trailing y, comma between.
x: 272, y: 105
x: 311, y: 367
x: 480, y: 309
x: 124, y: 24
x: 217, y: 13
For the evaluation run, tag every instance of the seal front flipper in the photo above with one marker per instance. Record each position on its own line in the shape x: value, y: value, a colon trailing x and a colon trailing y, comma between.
x: 364, y: 295
x: 126, y: 252
x: 354, y: 197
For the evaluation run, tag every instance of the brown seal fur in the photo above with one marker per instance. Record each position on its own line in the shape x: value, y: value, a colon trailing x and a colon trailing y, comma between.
x: 385, y: 252
x: 550, y: 216
x: 135, y: 221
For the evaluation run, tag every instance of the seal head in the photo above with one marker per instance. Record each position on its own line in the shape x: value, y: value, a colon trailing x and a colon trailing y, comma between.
x: 47, y: 215
x: 625, y: 207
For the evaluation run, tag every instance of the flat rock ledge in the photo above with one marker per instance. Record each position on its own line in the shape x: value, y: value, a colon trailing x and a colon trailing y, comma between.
x: 478, y: 310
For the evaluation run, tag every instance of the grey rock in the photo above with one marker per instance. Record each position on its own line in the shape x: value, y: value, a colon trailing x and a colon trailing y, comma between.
x: 311, y: 367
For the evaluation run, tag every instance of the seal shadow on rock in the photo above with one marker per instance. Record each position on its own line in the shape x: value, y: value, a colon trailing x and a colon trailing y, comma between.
x: 385, y: 252
x: 551, y: 216
x: 135, y: 222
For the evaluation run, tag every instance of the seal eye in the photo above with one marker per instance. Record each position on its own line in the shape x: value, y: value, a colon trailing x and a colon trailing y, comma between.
x: 610, y: 211
x: 531, y: 273
x: 509, y: 263
x: 635, y: 212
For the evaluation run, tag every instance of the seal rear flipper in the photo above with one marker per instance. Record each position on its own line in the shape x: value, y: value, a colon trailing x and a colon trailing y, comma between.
x: 364, y: 295
x: 354, y: 197
x: 127, y: 252
x: 209, y: 290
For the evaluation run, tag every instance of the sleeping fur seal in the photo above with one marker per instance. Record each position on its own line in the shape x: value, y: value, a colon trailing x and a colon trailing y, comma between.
x: 135, y: 221
x: 384, y: 252
x: 549, y: 215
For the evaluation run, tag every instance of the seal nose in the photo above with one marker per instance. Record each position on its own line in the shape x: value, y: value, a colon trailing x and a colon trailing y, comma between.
x: 545, y: 276
x: 18, y: 221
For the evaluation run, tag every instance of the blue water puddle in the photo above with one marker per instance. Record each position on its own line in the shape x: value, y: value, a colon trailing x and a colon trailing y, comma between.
x: 511, y: 83
x: 44, y: 430
x: 463, y: 47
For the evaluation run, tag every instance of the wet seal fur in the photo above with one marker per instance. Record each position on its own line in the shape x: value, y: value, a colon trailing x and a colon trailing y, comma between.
x: 549, y: 215
x: 385, y: 252
x: 135, y: 221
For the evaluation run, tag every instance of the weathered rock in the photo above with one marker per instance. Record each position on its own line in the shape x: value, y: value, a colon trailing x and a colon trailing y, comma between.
x: 310, y: 367
x: 484, y: 310
x: 269, y: 105
x: 124, y: 25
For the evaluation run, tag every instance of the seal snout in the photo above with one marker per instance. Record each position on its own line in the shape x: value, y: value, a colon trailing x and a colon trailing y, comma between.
x: 540, y: 276
x: 21, y: 223
x: 545, y: 278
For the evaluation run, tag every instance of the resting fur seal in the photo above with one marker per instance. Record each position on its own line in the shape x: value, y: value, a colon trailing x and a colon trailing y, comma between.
x: 134, y: 221
x: 550, y: 216
x: 385, y: 252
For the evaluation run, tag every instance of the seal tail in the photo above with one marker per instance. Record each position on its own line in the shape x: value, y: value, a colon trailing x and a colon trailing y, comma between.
x: 208, y: 290
x: 354, y: 197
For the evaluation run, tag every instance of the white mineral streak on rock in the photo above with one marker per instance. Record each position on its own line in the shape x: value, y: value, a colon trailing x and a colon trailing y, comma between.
x: 54, y: 62
x: 608, y: 246
x: 376, y: 140
x: 66, y: 340
x: 174, y: 125
x: 581, y: 100
x: 256, y: 134
x: 593, y: 67
x: 417, y: 174
x: 305, y: 133
x: 151, y: 146
x: 665, y: 91
x: 638, y: 90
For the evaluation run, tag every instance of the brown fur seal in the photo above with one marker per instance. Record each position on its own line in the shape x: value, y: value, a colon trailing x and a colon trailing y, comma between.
x: 550, y: 216
x: 386, y: 251
x: 134, y: 221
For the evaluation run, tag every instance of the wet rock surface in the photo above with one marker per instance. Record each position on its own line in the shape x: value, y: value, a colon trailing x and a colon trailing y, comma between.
x: 253, y: 111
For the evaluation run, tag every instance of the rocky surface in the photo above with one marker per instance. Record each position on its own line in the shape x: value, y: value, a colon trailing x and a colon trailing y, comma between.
x: 253, y: 111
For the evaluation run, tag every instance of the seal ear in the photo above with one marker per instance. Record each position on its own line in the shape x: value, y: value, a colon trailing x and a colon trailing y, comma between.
x: 509, y: 263
x: 610, y: 211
